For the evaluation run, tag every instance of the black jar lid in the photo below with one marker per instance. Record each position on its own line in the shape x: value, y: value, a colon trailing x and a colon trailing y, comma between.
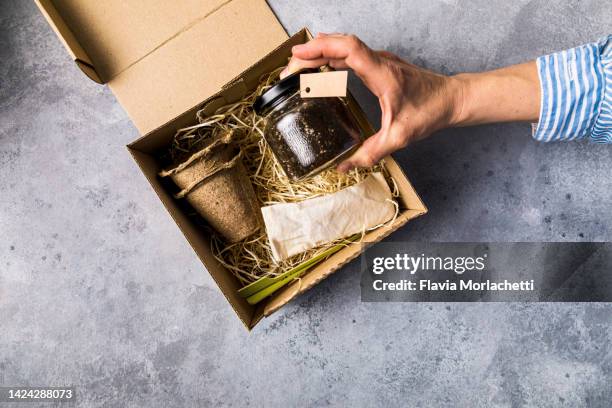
x: 282, y: 89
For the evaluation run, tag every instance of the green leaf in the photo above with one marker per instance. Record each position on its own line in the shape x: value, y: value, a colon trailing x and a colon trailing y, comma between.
x: 264, y: 287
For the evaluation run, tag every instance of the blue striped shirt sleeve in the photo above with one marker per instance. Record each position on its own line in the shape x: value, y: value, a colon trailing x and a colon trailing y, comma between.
x: 576, y: 89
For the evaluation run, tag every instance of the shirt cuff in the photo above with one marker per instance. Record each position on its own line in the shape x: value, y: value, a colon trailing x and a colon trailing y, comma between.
x: 576, y: 87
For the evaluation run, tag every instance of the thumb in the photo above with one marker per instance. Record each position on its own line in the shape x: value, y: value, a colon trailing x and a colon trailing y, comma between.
x: 296, y: 64
x: 372, y: 150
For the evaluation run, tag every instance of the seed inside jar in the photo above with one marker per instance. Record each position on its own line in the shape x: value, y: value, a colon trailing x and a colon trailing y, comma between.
x: 310, y: 134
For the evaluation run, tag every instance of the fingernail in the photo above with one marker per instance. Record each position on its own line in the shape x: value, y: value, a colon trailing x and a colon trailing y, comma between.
x: 298, y: 48
x: 344, y: 167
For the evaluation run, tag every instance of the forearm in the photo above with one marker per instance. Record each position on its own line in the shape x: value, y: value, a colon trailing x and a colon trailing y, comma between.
x: 508, y: 94
x: 567, y: 93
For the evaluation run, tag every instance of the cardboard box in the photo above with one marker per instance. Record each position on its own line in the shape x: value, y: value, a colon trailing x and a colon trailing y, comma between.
x: 166, y: 60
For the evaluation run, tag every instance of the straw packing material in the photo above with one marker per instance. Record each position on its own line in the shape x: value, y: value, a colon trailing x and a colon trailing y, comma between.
x: 251, y: 258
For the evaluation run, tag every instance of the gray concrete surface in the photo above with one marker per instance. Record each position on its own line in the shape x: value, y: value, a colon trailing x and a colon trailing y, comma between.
x: 99, y: 289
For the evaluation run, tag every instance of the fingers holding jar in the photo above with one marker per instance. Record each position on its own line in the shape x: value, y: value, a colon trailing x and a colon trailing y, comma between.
x: 375, y: 148
x: 336, y: 50
x: 414, y: 102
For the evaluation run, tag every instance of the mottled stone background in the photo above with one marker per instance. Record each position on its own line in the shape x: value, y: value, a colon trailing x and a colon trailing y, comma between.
x: 99, y: 289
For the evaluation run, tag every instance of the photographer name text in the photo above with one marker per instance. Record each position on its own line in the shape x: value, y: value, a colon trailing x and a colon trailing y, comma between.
x: 461, y: 285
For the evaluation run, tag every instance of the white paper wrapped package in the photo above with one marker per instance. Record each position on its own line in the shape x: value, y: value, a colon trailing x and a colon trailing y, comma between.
x: 296, y: 227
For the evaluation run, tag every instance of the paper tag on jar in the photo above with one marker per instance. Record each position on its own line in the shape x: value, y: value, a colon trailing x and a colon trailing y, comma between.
x: 323, y: 84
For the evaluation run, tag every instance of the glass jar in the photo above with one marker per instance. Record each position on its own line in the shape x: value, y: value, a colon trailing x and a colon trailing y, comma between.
x: 307, y: 135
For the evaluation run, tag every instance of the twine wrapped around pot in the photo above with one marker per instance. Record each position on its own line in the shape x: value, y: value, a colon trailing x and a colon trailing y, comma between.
x: 215, y: 183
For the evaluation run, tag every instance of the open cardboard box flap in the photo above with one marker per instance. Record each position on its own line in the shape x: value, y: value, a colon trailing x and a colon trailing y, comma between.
x: 161, y: 58
x: 164, y: 62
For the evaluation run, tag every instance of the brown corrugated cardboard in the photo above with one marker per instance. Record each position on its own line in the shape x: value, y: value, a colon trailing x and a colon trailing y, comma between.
x: 162, y: 58
x: 145, y: 148
x: 68, y: 38
x: 244, y: 54
x: 119, y: 33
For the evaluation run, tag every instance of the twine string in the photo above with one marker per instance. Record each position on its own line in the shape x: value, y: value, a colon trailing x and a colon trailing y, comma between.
x: 226, y: 139
x: 215, y: 170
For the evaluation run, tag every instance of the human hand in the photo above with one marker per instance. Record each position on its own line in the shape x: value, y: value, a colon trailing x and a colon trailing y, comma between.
x: 414, y: 102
